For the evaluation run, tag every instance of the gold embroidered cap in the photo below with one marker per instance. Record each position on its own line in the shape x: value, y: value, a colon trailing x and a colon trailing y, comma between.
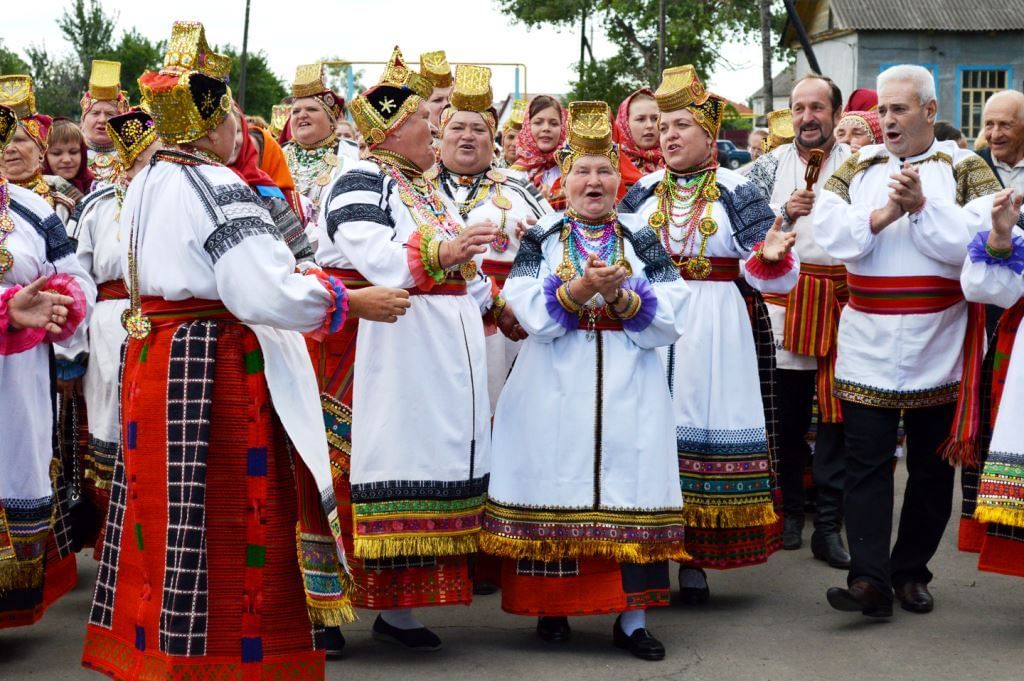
x: 386, y: 105
x: 780, y: 129
x: 471, y: 92
x: 185, y: 107
x: 16, y: 93
x: 680, y: 87
x: 279, y: 114
x: 131, y: 133
x: 589, y: 132
x: 8, y: 124
x: 105, y: 86
x: 517, y: 115
x: 188, y: 50
x: 309, y: 82
x: 434, y: 67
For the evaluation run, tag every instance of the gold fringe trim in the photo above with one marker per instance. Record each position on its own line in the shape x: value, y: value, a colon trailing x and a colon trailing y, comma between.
x: 332, y: 614
x: 1014, y: 517
x: 550, y: 550
x: 711, y: 517
x: 397, y: 547
x: 15, y: 576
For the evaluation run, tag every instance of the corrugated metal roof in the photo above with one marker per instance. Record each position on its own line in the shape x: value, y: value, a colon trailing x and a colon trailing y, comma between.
x: 928, y: 15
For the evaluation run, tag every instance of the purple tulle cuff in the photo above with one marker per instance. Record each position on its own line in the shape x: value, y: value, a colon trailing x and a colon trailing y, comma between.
x: 648, y: 304
x: 978, y: 253
x: 555, y: 309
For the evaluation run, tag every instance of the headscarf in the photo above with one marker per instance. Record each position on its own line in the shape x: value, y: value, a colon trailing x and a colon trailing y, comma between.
x: 275, y: 165
x: 862, y: 99
x: 38, y: 128
x: 869, y: 121
x: 645, y: 160
x: 246, y: 165
x: 83, y: 178
x: 530, y: 158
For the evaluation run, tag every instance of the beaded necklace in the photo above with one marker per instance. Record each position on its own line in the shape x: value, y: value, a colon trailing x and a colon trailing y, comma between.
x: 6, y: 227
x: 685, y: 203
x: 481, y: 187
x: 425, y: 205
x: 40, y: 186
x: 584, y: 237
x: 311, y: 168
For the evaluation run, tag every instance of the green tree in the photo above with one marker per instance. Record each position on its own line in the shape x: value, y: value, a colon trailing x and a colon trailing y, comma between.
x: 694, y: 31
x: 57, y: 82
x: 90, y: 31
x: 10, y: 62
x: 263, y: 89
x: 136, y: 54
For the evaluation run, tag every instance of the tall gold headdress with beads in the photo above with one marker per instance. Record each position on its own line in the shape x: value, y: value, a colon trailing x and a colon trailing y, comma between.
x: 517, y: 116
x: 780, y: 129
x: 105, y: 86
x: 588, y: 132
x: 471, y: 91
x: 131, y: 133
x: 386, y: 105
x: 434, y: 67
x: 8, y: 124
x: 309, y: 82
x: 16, y: 93
x: 188, y: 50
x: 681, y: 88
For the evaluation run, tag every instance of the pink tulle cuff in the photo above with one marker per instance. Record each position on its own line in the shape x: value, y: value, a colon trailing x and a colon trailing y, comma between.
x: 337, y: 313
x: 66, y: 285
x: 419, y: 253
x: 763, y: 269
x: 12, y: 342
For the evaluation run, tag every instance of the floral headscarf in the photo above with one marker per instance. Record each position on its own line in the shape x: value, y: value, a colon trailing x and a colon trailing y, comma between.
x: 645, y: 160
x: 530, y: 158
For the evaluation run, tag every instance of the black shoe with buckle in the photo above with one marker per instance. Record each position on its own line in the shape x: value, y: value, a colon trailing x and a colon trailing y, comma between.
x: 641, y: 642
x: 553, y: 629
x: 414, y: 639
x: 329, y: 640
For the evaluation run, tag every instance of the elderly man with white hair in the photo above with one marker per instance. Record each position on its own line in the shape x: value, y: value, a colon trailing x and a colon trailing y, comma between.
x: 899, y: 215
x: 1003, y: 129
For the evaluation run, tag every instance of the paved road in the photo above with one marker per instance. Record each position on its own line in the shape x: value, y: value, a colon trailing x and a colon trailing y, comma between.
x: 769, y: 623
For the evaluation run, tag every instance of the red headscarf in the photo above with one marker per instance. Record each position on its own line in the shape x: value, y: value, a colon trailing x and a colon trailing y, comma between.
x: 38, y: 128
x: 862, y: 100
x: 84, y: 178
x: 530, y: 158
x: 247, y: 164
x: 645, y: 160
x: 868, y: 119
x: 276, y: 165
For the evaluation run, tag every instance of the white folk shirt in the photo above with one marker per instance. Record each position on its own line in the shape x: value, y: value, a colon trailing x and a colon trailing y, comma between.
x: 244, y: 263
x: 894, y: 360
x: 419, y: 406
x: 778, y: 174
x: 40, y: 247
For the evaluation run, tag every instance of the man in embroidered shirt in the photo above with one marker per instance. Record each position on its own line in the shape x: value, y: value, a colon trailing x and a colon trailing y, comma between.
x: 1003, y: 125
x: 804, y: 321
x: 900, y: 216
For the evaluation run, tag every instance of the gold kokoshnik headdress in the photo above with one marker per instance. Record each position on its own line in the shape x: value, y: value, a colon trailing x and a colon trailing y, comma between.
x: 385, y: 106
x: 471, y: 92
x: 681, y: 88
x: 588, y: 133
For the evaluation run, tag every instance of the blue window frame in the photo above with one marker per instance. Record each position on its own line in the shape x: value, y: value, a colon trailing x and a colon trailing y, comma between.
x: 975, y: 83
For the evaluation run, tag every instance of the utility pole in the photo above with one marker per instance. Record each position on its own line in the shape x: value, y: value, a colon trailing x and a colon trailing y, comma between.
x: 766, y: 54
x: 661, y: 37
x: 583, y: 38
x: 245, y: 57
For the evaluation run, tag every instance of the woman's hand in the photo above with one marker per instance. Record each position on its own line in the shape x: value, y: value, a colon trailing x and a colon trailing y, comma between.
x: 470, y: 242
x: 378, y: 303
x: 777, y: 243
x: 32, y: 307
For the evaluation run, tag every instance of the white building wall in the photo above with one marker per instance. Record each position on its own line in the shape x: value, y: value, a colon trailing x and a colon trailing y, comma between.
x: 837, y: 58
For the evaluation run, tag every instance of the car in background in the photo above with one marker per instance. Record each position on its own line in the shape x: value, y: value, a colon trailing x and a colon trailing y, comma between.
x: 731, y: 156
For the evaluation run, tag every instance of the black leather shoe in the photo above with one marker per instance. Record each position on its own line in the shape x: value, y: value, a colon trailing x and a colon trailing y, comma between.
x: 915, y: 597
x: 641, y: 642
x: 553, y: 629
x: 690, y: 595
x: 414, y: 639
x: 329, y: 640
x: 828, y: 546
x: 792, y: 532
x: 860, y: 597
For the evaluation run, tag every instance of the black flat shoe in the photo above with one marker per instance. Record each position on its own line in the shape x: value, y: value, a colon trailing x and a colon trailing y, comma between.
x: 641, y: 642
x: 828, y: 546
x: 690, y: 595
x: 860, y: 597
x: 329, y: 640
x: 414, y: 639
x: 553, y: 629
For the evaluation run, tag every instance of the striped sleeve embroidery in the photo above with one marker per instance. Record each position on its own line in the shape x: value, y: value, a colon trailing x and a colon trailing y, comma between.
x: 360, y: 194
x: 974, y: 179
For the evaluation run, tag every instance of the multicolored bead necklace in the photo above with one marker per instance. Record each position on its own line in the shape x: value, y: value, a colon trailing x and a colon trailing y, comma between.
x: 6, y: 227
x: 685, y: 203
x: 480, y: 188
x: 583, y: 238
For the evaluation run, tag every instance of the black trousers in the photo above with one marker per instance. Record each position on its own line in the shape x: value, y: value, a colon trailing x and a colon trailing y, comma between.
x: 927, y: 499
x: 795, y: 390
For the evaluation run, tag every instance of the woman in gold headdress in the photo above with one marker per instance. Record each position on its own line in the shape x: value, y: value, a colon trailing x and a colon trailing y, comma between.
x: 586, y: 509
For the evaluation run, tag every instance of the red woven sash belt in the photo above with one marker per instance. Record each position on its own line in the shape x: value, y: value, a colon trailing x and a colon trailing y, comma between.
x: 498, y: 270
x: 903, y: 295
x: 722, y: 269
x: 171, y: 312
x: 111, y: 290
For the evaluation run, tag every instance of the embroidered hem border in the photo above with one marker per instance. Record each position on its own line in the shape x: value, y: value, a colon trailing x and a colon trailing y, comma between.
x: 713, y: 513
x: 895, y: 399
x: 549, y: 550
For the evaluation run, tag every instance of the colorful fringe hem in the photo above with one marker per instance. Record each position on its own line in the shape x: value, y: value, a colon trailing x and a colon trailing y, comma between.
x: 1000, y: 515
x: 726, y: 516
x: 549, y: 550
x: 396, y: 547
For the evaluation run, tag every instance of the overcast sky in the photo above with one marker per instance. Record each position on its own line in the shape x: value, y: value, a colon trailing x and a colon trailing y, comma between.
x: 365, y: 30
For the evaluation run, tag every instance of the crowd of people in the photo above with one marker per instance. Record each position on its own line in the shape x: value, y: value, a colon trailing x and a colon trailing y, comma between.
x: 393, y: 353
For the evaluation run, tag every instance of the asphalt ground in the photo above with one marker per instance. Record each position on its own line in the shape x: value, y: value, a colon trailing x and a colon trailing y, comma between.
x: 768, y: 623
